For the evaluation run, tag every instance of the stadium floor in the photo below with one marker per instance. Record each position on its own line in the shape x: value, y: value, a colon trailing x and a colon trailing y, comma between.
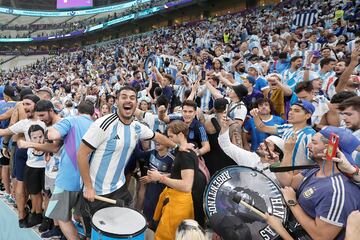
x: 9, y: 226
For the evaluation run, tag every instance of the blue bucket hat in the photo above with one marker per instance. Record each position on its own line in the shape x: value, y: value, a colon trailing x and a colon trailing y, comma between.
x: 348, y: 143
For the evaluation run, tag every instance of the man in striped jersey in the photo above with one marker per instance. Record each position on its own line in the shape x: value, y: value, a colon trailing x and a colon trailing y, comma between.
x: 110, y: 140
x: 299, y: 121
x: 324, y: 196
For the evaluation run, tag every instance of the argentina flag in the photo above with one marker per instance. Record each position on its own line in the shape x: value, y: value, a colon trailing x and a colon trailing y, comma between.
x: 305, y: 18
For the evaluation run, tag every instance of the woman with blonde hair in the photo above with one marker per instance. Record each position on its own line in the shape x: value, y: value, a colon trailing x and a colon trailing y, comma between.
x: 190, y: 230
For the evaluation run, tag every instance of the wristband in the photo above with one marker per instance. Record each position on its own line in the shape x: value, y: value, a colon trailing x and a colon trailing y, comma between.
x: 350, y: 175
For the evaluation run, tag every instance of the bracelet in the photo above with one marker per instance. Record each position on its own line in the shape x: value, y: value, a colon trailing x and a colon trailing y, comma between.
x: 350, y: 175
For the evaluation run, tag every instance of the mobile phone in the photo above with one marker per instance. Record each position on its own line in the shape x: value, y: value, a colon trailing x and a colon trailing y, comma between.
x: 203, y: 75
x: 332, y: 146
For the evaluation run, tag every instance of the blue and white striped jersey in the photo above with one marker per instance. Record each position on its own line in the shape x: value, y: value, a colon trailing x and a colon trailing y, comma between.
x: 113, y: 142
x: 301, y: 153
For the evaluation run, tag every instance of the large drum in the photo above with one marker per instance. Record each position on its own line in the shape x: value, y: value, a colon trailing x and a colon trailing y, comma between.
x: 253, y: 187
x: 118, y: 223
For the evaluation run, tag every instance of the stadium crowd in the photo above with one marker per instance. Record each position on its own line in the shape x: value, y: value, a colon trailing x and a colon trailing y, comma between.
x: 172, y: 107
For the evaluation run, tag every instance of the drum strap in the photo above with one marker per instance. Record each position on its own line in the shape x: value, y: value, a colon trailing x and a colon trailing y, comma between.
x: 291, y: 168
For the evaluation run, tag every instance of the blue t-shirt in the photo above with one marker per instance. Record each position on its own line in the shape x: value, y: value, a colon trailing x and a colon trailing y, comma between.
x: 4, y: 107
x: 258, y: 137
x: 331, y: 199
x: 71, y: 129
x: 261, y: 84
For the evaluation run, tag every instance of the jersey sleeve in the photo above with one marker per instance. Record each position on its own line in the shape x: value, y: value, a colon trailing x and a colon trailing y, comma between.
x: 247, y: 126
x: 188, y: 161
x: 262, y: 83
x: 145, y: 132
x: 63, y: 127
x: 332, y: 209
x: 282, y: 128
x: 95, y: 135
x: 18, y: 127
x: 240, y: 112
x: 203, y: 135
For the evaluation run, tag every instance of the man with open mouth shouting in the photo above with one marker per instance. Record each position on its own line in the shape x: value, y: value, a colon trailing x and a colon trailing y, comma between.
x: 111, y: 140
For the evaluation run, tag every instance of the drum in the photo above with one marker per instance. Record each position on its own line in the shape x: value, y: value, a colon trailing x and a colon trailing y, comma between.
x: 230, y: 184
x: 118, y: 223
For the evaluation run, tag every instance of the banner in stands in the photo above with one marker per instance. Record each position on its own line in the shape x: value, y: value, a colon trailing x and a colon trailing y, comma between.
x: 67, y: 4
x: 116, y: 7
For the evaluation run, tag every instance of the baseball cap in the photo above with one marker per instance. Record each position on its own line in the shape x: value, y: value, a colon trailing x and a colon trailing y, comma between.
x: 10, y: 91
x: 306, y: 105
x: 44, y: 105
x: 46, y: 89
x: 279, y: 142
x: 220, y: 104
x: 251, y: 79
x: 348, y: 143
x: 240, y: 91
x: 24, y: 92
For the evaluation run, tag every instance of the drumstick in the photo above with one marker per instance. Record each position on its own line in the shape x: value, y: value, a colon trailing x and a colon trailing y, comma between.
x: 258, y: 212
x: 104, y: 199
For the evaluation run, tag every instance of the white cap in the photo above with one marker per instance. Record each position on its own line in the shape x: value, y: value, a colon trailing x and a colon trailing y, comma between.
x: 279, y: 142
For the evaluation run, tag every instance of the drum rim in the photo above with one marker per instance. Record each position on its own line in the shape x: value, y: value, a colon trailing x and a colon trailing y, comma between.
x: 114, y: 235
x: 235, y: 166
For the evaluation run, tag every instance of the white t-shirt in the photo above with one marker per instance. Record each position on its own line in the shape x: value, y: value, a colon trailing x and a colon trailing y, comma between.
x: 34, y: 160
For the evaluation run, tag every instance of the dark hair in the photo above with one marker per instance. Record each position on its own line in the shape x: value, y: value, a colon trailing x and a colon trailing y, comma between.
x: 353, y: 102
x: 34, y: 128
x: 158, y: 91
x: 324, y: 48
x: 135, y: 72
x: 216, y: 79
x: 304, y: 86
x: 283, y: 55
x: 43, y: 106
x: 189, y: 103
x: 261, y: 101
x: 109, y: 96
x: 342, y: 96
x: 162, y: 100
x: 170, y: 78
x: 86, y: 107
x: 293, y: 59
x: 326, y: 61
x: 124, y: 88
x: 24, y: 92
x: 31, y: 97
x: 187, y: 93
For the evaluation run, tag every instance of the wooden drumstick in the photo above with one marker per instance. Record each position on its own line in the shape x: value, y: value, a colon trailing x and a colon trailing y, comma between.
x: 104, y: 199
x: 258, y: 212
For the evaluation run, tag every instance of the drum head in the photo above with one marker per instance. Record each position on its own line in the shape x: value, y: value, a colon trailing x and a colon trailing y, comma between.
x: 253, y: 187
x: 118, y: 222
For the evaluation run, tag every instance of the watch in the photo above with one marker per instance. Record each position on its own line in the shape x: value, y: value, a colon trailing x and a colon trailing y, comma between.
x: 291, y: 203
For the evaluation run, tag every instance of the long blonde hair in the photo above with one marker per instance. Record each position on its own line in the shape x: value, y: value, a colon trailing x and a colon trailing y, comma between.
x: 190, y: 230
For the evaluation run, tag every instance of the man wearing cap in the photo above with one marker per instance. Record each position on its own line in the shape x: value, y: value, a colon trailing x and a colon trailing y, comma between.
x: 45, y: 93
x: 260, y: 83
x: 22, y: 126
x: 324, y: 196
x: 299, y: 120
x: 263, y: 157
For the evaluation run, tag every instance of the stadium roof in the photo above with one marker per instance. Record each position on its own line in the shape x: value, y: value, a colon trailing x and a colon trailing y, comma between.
x: 48, y: 4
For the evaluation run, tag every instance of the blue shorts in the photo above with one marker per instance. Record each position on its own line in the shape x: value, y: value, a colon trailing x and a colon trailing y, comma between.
x: 20, y: 158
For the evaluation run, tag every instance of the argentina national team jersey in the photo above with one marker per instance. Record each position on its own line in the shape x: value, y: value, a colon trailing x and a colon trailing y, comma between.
x: 292, y: 78
x: 113, y: 142
x: 300, y: 154
x: 330, y: 198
